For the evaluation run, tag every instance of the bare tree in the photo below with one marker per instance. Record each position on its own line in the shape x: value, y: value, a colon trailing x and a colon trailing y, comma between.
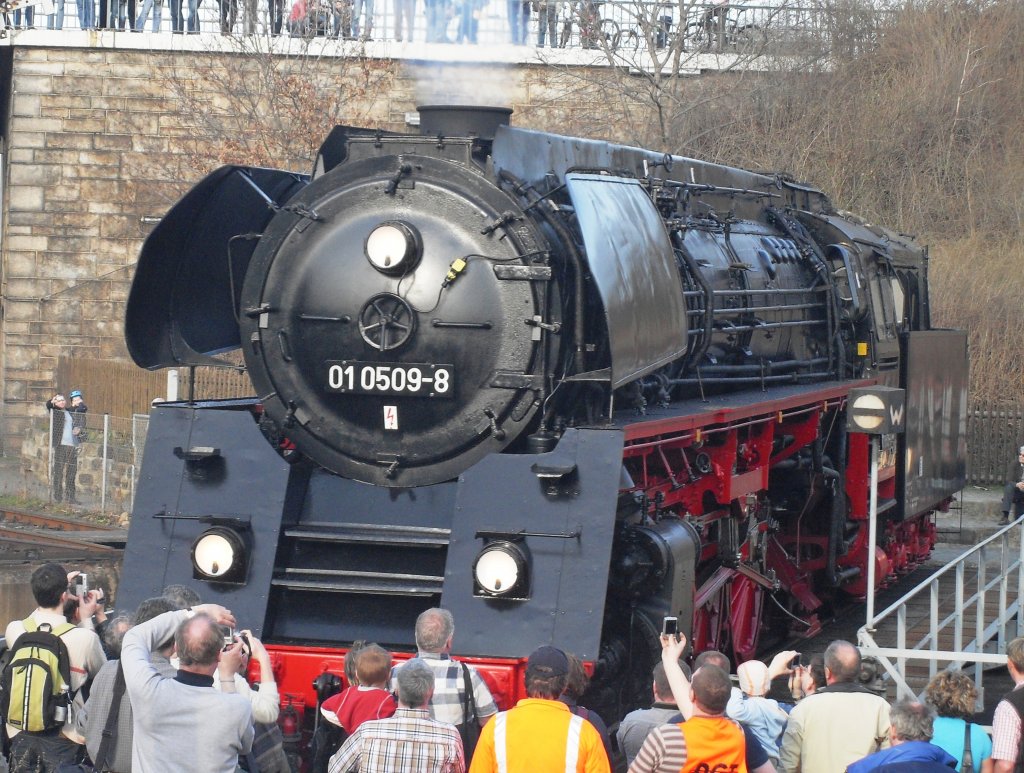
x: 276, y: 99
x: 654, y: 48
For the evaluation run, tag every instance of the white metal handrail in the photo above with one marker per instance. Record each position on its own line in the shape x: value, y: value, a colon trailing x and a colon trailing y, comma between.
x: 988, y: 645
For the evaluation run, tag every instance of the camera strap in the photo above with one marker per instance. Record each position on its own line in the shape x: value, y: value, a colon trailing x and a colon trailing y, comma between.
x: 110, y: 728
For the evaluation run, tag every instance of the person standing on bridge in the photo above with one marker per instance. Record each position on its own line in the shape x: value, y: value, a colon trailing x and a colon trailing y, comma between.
x: 1013, y: 493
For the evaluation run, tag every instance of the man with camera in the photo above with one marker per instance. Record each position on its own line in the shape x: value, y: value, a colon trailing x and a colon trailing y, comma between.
x: 67, y: 428
x: 185, y: 712
x: 45, y: 750
x: 266, y: 702
x: 109, y: 738
x: 839, y: 724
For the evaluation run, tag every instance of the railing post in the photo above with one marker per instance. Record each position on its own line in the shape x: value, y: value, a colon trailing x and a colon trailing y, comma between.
x: 979, y: 606
x: 872, y: 531
x: 1004, y: 560
x: 958, y: 623
x: 1020, y: 583
x: 901, y: 643
x: 933, y: 626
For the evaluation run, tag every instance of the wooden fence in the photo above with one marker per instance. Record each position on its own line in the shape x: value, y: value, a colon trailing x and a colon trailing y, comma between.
x: 993, y: 437
x: 121, y: 388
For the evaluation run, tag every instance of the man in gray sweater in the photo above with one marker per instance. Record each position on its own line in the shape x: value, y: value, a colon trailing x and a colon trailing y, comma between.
x: 91, y: 715
x: 182, y: 723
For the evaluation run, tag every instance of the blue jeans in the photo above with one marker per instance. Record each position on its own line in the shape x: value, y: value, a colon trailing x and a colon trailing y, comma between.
x: 518, y: 19
x: 437, y: 21
x: 177, y: 20
x: 469, y: 22
x: 86, y: 14
x: 55, y: 21
x: 276, y: 19
x: 357, y: 12
x: 547, y: 22
x: 30, y: 17
x: 118, y: 14
x: 140, y: 22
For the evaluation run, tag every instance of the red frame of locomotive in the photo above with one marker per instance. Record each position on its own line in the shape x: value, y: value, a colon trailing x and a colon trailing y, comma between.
x: 732, y: 597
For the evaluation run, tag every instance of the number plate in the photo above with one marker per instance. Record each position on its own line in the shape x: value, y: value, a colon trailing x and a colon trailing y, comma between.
x: 409, y: 379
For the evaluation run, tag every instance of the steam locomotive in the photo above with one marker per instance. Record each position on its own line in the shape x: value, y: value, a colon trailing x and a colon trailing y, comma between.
x: 561, y: 387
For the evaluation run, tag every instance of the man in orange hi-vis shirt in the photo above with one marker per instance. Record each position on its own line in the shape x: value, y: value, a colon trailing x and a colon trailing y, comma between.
x: 540, y: 733
x: 707, y: 740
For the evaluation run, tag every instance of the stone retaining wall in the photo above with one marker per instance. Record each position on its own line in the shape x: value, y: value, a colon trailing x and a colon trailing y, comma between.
x: 101, y: 141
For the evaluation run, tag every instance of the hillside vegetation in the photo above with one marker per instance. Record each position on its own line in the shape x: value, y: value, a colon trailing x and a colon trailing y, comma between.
x: 924, y: 132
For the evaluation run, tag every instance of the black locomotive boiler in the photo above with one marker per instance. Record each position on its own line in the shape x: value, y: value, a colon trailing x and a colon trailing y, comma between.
x: 561, y: 387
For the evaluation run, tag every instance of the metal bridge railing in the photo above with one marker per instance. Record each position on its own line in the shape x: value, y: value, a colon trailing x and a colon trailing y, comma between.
x: 962, y: 616
x: 701, y: 25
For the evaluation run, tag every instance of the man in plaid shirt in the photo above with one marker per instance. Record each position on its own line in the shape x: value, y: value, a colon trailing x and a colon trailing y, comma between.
x: 408, y: 742
x: 1006, y: 722
x: 435, y: 630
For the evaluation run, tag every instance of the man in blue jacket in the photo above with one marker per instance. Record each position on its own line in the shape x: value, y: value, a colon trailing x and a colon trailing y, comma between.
x: 911, y: 750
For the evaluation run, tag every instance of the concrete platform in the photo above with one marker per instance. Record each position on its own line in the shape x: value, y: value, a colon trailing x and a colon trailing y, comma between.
x: 975, y: 515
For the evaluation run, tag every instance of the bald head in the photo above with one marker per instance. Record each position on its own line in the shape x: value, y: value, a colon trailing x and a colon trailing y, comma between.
x: 842, y: 660
x: 199, y: 641
x: 712, y: 658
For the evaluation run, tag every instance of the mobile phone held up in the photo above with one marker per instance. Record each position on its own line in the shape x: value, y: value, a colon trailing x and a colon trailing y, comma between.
x: 670, y: 627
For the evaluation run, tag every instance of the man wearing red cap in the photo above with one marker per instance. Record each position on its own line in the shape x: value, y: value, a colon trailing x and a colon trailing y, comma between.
x: 540, y: 733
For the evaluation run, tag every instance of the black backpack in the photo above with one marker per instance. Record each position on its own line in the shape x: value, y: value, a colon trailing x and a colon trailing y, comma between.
x: 35, y: 683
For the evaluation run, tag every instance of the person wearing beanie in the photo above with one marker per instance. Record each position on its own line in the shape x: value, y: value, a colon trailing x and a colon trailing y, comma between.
x: 540, y: 733
x: 67, y: 428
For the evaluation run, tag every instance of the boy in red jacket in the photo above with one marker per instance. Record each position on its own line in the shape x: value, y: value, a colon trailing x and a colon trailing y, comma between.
x: 369, y: 699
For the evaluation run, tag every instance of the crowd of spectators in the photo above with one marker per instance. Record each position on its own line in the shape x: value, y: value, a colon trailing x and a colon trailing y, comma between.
x: 168, y: 689
x: 433, y: 21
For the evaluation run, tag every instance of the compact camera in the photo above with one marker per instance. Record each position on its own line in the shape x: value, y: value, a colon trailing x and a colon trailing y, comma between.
x: 80, y: 585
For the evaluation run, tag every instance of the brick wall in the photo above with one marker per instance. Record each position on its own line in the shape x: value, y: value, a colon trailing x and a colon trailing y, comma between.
x: 101, y: 138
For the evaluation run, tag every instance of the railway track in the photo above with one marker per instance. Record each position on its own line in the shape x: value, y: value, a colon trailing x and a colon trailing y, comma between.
x: 26, y: 536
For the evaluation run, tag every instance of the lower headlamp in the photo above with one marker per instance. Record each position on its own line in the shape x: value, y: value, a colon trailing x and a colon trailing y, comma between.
x: 220, y: 554
x: 502, y: 570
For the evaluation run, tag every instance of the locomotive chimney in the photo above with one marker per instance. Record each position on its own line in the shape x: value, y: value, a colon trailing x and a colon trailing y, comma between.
x: 462, y: 120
